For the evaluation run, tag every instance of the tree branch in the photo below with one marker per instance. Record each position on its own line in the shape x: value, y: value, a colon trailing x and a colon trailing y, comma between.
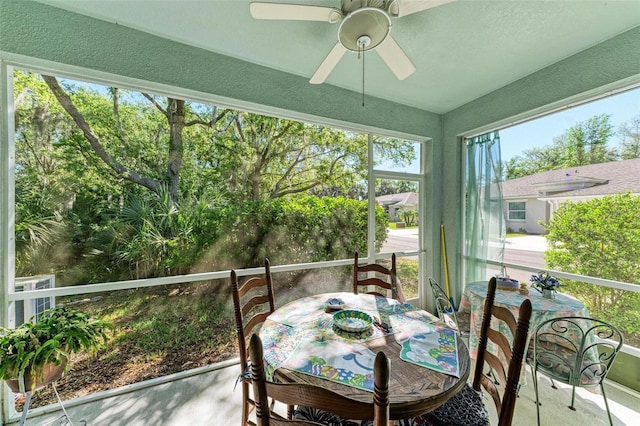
x: 68, y: 105
x: 156, y: 104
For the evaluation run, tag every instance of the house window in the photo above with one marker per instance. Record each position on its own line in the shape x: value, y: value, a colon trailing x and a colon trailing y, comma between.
x: 517, y: 211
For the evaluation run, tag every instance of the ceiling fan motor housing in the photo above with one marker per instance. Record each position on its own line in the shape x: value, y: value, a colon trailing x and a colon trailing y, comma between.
x: 371, y: 22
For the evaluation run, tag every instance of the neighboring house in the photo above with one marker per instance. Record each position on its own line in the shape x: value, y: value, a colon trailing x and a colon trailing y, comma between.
x: 534, y: 198
x: 394, y: 202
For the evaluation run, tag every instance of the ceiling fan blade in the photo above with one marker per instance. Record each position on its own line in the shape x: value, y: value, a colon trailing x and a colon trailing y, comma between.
x: 294, y: 12
x: 328, y: 64
x: 406, y: 7
x: 395, y: 58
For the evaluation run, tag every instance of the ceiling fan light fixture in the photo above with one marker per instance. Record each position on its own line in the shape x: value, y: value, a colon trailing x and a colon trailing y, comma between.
x: 369, y: 21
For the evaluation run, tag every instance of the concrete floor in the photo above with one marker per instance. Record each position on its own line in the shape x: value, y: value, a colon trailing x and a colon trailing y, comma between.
x: 209, y: 399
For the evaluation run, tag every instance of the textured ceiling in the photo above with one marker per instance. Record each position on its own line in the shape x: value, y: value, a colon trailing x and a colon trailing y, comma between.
x: 462, y: 50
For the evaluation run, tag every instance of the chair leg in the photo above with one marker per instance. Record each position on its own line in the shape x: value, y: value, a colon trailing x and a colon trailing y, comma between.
x: 534, y: 373
x: 573, y: 398
x: 606, y: 403
x: 245, y: 403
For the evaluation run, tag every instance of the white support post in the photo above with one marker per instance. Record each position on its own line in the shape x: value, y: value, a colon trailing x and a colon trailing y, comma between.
x: 7, y: 215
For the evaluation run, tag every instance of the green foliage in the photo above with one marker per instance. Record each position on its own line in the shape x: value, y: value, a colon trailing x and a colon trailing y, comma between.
x: 303, y: 229
x: 409, y: 216
x: 581, y: 144
x: 59, y: 333
x: 392, y: 186
x: 629, y: 136
x: 408, y: 275
x: 600, y: 238
x: 83, y: 218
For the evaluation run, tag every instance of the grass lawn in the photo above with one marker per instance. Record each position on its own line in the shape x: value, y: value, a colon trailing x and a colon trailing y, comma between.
x: 392, y: 225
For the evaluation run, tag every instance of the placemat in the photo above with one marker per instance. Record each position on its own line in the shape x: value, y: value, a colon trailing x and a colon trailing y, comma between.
x: 430, y: 346
x: 347, y: 363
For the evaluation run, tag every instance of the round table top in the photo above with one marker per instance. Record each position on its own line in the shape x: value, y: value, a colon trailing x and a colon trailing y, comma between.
x: 512, y: 298
x: 413, y: 389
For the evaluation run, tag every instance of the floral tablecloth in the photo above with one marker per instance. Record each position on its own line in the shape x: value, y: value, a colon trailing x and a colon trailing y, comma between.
x: 301, y: 336
x: 543, y: 309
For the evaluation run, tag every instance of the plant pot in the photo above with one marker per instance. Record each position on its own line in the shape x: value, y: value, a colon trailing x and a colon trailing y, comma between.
x: 549, y: 294
x: 44, y: 376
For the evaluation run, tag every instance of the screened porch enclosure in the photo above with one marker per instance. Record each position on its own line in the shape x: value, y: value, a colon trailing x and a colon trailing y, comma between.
x: 433, y: 116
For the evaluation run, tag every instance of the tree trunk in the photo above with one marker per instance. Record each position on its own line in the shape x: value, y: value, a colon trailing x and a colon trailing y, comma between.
x: 175, y: 115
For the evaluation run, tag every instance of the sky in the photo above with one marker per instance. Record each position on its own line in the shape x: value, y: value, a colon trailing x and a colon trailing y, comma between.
x: 540, y: 132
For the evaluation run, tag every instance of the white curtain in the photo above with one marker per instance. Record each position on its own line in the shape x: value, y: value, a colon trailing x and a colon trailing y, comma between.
x: 484, y: 211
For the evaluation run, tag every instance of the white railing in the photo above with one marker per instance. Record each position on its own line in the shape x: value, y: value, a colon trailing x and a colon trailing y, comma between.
x: 582, y: 278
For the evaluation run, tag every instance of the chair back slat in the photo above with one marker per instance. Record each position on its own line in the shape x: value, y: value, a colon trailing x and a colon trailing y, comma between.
x: 501, y: 341
x: 254, y: 322
x: 497, y: 366
x: 253, y: 302
x: 374, y: 267
x: 251, y: 283
x: 491, y: 388
x: 389, y: 280
x: 505, y: 405
x: 505, y: 315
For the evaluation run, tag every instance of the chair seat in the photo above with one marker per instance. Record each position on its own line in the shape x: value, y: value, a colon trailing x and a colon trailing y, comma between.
x: 558, y: 362
x: 319, y: 416
x: 465, y: 408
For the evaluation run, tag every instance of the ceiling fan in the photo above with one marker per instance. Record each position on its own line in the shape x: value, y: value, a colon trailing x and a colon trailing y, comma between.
x: 364, y: 25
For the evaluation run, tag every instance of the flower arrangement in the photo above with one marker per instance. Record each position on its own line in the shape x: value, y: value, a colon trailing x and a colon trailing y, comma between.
x: 544, y: 281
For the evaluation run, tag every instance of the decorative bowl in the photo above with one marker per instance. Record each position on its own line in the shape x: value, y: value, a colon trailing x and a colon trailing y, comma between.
x: 334, y: 303
x: 352, y: 320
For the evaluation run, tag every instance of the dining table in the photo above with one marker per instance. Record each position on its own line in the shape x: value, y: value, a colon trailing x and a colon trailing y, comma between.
x: 305, y: 341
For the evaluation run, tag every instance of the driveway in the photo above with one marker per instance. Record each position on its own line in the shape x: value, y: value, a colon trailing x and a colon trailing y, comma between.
x: 407, y: 240
x: 527, y: 250
x: 528, y: 243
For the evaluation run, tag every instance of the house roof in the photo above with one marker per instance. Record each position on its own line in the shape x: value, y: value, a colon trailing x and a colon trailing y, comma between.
x: 591, y: 180
x: 400, y: 199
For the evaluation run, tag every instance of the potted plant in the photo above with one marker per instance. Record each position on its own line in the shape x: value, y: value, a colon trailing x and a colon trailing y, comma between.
x: 38, y: 352
x: 545, y: 284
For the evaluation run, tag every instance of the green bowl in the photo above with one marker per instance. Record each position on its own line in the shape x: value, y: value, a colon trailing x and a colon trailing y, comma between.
x: 352, y: 320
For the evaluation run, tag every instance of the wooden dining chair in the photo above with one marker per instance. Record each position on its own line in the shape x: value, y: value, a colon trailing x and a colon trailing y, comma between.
x: 253, y: 301
x: 331, y: 403
x: 386, y: 279
x: 466, y: 408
